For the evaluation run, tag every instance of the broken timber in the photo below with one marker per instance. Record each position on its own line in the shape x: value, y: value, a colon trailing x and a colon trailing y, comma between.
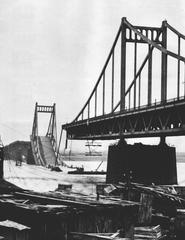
x: 54, y: 215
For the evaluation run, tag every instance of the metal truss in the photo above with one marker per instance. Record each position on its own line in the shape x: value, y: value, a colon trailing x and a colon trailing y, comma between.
x: 154, y: 121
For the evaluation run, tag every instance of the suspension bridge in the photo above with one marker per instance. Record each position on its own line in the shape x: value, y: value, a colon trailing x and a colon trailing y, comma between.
x: 140, y: 90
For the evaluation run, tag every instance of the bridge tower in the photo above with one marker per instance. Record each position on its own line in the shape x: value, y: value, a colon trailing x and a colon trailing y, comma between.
x: 44, y: 148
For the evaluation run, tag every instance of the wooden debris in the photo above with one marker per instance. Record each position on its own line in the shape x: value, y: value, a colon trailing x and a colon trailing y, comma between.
x: 96, y: 236
x: 147, y: 232
x: 75, y: 200
x: 64, y: 187
x: 74, y: 212
x: 161, y: 192
x: 145, y: 209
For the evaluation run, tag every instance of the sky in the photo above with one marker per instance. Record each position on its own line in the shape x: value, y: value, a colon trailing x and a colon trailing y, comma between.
x: 52, y: 51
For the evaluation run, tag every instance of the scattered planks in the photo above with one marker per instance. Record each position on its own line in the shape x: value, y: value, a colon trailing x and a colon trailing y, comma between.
x: 147, y: 232
x: 97, y: 236
x: 68, y: 204
x: 152, y: 232
x: 75, y: 199
x: 58, y: 213
x: 160, y: 192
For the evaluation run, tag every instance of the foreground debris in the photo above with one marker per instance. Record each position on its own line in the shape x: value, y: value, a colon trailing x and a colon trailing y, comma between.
x: 159, y: 205
x: 54, y: 215
x: 123, y: 211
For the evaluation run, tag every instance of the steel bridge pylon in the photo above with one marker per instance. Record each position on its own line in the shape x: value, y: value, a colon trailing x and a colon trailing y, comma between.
x: 44, y: 148
x: 149, y: 100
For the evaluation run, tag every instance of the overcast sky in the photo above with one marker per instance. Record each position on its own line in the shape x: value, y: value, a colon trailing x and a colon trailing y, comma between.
x: 53, y: 51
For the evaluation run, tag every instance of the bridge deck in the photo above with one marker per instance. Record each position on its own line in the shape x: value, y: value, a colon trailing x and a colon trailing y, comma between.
x: 157, y: 119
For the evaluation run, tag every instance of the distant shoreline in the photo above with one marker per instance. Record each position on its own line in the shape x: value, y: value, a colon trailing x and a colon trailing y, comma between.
x: 84, y: 158
x: 79, y: 157
x: 180, y: 160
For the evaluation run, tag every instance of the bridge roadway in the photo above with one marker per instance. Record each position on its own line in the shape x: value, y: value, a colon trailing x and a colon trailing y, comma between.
x: 155, y: 120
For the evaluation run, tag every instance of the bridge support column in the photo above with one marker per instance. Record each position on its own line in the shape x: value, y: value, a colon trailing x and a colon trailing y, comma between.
x: 123, y: 64
x: 149, y: 76
x: 162, y: 140
x: 147, y: 164
x: 164, y: 64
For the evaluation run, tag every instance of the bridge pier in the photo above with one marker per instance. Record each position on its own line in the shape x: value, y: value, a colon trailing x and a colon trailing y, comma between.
x: 143, y: 163
x: 162, y: 140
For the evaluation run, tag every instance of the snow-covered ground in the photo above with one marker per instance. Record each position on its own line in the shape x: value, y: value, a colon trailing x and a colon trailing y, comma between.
x: 41, y: 179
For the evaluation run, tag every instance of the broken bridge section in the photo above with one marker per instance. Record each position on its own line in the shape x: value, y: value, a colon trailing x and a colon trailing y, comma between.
x: 44, y: 148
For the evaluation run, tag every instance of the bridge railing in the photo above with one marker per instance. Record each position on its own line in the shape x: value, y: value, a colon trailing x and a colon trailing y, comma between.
x: 36, y: 150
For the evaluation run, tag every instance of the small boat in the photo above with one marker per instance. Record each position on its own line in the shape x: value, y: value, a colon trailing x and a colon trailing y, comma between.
x: 80, y: 170
x: 54, y: 168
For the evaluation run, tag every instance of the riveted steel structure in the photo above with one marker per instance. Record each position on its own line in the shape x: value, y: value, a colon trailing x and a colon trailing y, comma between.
x: 130, y: 116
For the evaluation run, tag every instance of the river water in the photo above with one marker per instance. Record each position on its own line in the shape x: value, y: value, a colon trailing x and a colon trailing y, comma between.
x: 41, y: 179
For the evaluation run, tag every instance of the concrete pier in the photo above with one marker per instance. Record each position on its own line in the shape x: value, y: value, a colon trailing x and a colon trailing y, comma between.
x: 142, y: 163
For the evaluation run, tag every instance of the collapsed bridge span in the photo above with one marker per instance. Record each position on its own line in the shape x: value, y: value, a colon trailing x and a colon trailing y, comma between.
x: 44, y: 148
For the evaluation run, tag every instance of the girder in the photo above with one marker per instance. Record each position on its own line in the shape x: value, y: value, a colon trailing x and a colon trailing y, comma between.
x: 167, y: 119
